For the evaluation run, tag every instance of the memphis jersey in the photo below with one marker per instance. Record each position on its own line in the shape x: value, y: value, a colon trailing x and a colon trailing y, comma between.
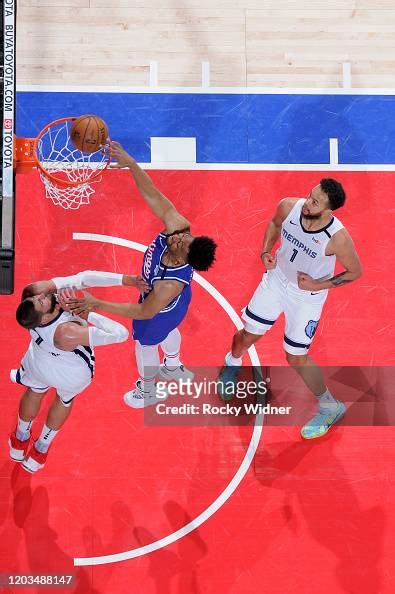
x: 154, y: 330
x: 303, y: 250
x: 42, y: 344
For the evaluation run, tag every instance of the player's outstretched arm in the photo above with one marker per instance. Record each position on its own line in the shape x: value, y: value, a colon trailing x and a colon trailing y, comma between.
x: 161, y: 206
x: 86, y: 278
x: 161, y: 295
x: 102, y: 331
x: 99, y: 278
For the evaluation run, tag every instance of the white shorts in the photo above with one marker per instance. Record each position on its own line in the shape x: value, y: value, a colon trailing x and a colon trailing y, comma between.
x: 302, y: 310
x: 42, y: 371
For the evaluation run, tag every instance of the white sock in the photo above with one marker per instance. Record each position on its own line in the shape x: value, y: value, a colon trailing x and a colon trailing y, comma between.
x: 172, y: 361
x: 23, y: 429
x: 231, y: 360
x: 46, y: 437
x: 147, y: 359
x: 326, y: 400
x: 147, y: 384
x: 171, y: 347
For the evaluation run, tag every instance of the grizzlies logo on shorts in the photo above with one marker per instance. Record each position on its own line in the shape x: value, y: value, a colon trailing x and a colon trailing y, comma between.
x: 311, y: 328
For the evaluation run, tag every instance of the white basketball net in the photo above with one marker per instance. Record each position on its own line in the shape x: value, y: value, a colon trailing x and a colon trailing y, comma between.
x: 59, y: 157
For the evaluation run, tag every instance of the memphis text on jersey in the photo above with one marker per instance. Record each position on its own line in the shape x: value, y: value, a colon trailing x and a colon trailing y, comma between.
x: 298, y: 243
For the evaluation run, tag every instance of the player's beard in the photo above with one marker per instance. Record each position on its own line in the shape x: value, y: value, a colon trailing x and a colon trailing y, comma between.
x: 53, y: 301
x: 312, y: 217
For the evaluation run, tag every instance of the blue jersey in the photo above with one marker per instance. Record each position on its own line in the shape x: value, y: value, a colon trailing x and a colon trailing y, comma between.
x: 154, y: 330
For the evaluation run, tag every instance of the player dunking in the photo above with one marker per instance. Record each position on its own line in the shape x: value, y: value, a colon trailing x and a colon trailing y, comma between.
x: 297, y: 280
x: 60, y: 355
x: 168, y: 266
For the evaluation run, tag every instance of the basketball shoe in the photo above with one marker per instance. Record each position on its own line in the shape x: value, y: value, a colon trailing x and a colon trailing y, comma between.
x: 18, y: 448
x: 323, y: 421
x: 35, y: 460
x: 138, y: 398
x: 176, y: 373
x: 227, y: 380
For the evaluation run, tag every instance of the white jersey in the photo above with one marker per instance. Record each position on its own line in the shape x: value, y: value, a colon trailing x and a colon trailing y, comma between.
x: 303, y: 250
x: 42, y: 344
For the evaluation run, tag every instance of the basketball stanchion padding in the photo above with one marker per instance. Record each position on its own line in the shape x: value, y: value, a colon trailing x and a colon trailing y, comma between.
x: 67, y: 172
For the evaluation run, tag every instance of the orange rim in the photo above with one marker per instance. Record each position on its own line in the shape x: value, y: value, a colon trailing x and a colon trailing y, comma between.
x: 54, y: 180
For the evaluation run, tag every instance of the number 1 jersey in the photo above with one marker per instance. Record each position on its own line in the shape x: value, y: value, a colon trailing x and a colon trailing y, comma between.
x: 303, y: 250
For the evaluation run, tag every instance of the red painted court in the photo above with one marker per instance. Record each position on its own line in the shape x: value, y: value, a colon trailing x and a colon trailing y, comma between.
x: 312, y: 517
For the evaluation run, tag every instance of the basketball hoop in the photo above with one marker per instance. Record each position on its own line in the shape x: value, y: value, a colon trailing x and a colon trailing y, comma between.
x: 66, y: 172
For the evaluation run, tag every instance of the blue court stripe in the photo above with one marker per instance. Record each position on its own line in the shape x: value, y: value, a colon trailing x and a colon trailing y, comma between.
x: 298, y: 345
x: 253, y: 316
x: 249, y: 127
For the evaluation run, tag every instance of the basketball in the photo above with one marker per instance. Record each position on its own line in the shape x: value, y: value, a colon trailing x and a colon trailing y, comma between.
x: 88, y: 132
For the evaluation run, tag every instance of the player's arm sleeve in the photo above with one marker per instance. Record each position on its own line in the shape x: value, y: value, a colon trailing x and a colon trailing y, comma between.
x: 88, y: 278
x: 105, y: 331
x: 85, y: 279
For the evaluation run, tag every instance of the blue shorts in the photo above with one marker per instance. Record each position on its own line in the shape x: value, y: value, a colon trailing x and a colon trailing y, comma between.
x: 153, y: 331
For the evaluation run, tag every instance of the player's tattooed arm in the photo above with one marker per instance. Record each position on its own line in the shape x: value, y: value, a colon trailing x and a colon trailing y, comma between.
x: 339, y: 279
x: 341, y: 246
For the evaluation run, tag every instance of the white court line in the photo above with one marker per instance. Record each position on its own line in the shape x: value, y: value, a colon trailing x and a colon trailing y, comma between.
x: 182, y: 166
x: 153, y: 75
x: 200, y: 90
x: 346, y: 75
x: 246, y: 462
x: 205, y: 75
x: 270, y: 166
x: 333, y: 151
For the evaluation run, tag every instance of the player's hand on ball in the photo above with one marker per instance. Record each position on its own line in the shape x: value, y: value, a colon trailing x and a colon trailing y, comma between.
x: 86, y: 303
x: 269, y: 260
x: 122, y: 158
x: 141, y: 284
x: 306, y: 282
